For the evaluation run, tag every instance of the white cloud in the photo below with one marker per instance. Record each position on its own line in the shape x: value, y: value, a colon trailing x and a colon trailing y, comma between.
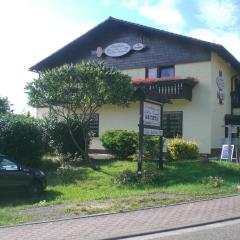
x: 131, y: 3
x: 106, y: 2
x: 230, y: 40
x: 164, y: 13
x: 219, y: 14
x: 28, y: 34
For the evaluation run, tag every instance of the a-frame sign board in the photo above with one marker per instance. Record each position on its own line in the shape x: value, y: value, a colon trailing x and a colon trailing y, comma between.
x: 229, y: 152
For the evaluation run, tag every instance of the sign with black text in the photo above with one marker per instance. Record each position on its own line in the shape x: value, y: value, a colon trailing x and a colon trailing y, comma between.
x: 151, y: 114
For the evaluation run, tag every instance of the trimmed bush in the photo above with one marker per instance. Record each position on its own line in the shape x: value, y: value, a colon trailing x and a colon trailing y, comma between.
x: 213, y: 181
x: 130, y: 177
x: 57, y: 136
x: 121, y: 143
x: 48, y: 163
x: 126, y: 177
x: 21, y: 139
x: 151, y: 148
x: 179, y: 149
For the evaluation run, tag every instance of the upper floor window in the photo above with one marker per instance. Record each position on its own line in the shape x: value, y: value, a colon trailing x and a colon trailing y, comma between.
x: 167, y: 72
x: 158, y: 72
x: 152, y: 72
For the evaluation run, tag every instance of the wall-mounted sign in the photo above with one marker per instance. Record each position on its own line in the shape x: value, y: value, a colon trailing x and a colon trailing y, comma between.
x: 138, y: 46
x: 220, y: 85
x: 151, y: 114
x: 117, y: 49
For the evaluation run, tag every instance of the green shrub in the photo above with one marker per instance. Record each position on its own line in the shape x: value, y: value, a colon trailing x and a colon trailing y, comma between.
x: 130, y: 177
x: 213, y: 181
x: 50, y: 164
x: 126, y: 177
x: 57, y: 136
x: 121, y: 143
x: 21, y: 139
x: 151, y: 148
x: 179, y: 149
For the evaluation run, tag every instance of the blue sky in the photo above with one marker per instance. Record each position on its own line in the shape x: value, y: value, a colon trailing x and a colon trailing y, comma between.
x: 33, y: 29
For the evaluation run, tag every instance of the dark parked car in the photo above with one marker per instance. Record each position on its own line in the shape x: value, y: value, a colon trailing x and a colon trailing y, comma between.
x: 16, y: 178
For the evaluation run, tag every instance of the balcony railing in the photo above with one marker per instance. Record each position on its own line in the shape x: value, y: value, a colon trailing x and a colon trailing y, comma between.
x: 170, y: 89
x: 235, y: 99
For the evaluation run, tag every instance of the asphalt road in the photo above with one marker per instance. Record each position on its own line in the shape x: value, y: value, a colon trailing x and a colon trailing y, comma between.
x: 229, y: 230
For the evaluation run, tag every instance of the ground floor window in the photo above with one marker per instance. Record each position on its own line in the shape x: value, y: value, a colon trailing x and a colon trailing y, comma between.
x: 94, y: 125
x: 172, y: 124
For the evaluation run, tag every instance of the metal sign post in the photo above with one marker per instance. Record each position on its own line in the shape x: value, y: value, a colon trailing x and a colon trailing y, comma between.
x: 229, y: 141
x: 150, y: 123
x: 140, y: 140
x: 160, y: 160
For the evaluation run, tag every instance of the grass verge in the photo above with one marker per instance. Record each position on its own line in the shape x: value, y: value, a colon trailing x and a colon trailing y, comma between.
x: 81, y: 190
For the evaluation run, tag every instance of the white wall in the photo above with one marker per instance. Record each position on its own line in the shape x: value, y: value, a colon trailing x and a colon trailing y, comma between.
x: 196, y: 113
x: 218, y: 111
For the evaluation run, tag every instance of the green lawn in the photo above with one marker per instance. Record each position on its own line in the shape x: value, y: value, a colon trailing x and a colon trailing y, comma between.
x: 85, y: 191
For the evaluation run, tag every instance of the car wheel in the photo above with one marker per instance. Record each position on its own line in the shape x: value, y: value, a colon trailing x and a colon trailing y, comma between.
x: 35, y: 188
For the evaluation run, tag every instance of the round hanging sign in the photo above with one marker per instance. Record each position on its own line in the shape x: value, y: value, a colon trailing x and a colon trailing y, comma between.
x: 138, y: 46
x: 99, y: 51
x: 117, y: 49
x: 220, y: 82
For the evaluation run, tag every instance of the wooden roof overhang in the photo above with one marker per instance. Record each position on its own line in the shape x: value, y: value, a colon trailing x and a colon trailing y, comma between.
x: 165, y: 89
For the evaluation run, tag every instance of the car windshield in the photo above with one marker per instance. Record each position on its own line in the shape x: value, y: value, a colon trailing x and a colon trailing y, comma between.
x: 6, y: 164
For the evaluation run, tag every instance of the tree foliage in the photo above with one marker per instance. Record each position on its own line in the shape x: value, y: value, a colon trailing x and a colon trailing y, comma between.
x: 5, y: 106
x: 56, y: 135
x: 80, y: 90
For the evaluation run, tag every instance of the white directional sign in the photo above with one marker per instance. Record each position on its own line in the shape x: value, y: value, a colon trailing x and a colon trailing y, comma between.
x: 153, y: 132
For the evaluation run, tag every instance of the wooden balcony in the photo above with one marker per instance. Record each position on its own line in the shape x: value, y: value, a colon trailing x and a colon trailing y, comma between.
x: 235, y: 99
x: 176, y: 88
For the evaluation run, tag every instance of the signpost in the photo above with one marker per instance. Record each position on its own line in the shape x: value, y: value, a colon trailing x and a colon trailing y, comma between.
x: 150, y: 123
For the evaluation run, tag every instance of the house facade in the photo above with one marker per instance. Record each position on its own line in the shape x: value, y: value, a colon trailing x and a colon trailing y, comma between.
x: 200, y: 79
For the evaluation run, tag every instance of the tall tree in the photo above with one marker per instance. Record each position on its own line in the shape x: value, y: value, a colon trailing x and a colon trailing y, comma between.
x: 78, y: 91
x: 5, y: 106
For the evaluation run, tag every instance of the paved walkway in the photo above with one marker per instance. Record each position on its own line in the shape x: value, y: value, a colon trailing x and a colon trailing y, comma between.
x: 130, y: 223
